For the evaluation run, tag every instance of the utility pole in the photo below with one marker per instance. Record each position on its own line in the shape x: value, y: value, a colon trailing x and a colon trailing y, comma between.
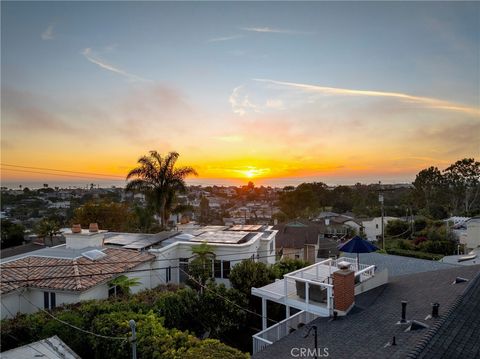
x: 133, y: 339
x: 381, y: 200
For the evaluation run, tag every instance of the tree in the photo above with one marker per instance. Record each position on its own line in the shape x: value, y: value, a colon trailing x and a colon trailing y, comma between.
x: 200, y: 268
x: 12, y: 234
x: 248, y: 274
x: 124, y: 284
x: 397, y: 228
x: 204, y: 210
x: 113, y: 216
x: 47, y: 228
x: 463, y: 178
x: 159, y: 180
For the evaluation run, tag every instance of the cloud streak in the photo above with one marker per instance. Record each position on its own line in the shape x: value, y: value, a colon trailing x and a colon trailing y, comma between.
x: 225, y: 38
x: 426, y: 101
x: 48, y: 33
x: 90, y: 56
x: 271, y: 30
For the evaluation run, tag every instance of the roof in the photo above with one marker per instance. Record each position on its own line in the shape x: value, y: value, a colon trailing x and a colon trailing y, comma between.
x: 368, y: 330
x: 399, y: 265
x: 51, y: 348
x: 457, y: 334
x: 137, y: 240
x: 72, y: 274
x: 296, y: 236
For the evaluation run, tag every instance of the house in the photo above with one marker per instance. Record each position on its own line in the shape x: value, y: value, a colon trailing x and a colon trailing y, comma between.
x: 472, y: 239
x: 51, y: 348
x: 304, y: 240
x: 373, y: 227
x: 83, y: 268
x: 429, y: 314
x: 79, y: 270
x: 230, y: 244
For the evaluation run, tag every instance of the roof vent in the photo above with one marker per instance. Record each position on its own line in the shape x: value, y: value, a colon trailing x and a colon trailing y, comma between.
x: 94, y: 255
x: 460, y: 280
x: 415, y: 325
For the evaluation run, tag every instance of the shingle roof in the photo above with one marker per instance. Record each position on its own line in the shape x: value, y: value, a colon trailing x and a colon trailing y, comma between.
x: 291, y: 235
x: 73, y: 274
x: 398, y: 265
x: 458, y: 334
x: 367, y: 331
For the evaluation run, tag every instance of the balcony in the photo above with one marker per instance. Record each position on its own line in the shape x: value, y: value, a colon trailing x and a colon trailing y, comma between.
x: 311, y: 288
x: 282, y: 329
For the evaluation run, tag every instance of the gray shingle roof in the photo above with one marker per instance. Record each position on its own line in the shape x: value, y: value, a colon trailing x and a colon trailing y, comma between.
x: 366, y: 332
x: 457, y: 335
x: 398, y: 265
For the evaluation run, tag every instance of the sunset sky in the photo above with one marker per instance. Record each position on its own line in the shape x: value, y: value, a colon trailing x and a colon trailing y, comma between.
x: 279, y: 93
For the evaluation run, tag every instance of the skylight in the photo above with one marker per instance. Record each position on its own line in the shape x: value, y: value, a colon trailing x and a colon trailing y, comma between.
x: 94, y: 254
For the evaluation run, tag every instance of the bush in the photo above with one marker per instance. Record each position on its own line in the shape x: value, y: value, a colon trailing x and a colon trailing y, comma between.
x: 287, y: 265
x: 414, y: 254
x: 248, y: 274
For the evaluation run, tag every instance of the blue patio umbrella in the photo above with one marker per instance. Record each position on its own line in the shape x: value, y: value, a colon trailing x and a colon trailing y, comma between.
x: 357, y: 245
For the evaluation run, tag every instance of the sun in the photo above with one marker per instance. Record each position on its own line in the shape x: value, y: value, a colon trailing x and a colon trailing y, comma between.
x: 250, y: 173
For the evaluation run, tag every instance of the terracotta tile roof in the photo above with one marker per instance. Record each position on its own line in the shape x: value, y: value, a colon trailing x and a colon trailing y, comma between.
x: 76, y: 274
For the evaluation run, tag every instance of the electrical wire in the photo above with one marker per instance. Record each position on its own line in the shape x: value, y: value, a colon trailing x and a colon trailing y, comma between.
x: 91, y: 275
x: 71, y: 325
x: 57, y: 170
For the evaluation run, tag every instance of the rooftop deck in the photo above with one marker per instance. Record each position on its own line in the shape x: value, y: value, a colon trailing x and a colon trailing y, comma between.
x: 311, y: 288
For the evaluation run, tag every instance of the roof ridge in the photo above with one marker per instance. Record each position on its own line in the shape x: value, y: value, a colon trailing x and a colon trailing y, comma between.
x: 76, y: 272
x: 425, y: 340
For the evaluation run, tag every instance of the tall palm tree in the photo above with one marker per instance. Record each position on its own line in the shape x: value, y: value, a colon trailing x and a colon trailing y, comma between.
x: 159, y: 180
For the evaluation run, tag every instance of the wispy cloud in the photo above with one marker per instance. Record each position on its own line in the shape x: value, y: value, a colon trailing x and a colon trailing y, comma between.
x: 48, y: 33
x: 426, y: 101
x: 267, y: 29
x: 225, y: 38
x: 241, y: 103
x: 90, y: 56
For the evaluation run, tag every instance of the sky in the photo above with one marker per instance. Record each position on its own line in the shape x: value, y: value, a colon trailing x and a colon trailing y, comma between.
x: 274, y: 92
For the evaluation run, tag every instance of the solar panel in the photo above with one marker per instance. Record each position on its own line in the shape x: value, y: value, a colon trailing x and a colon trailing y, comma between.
x: 94, y: 254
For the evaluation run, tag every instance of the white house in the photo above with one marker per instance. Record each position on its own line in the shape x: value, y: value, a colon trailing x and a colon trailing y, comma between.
x: 78, y: 270
x: 472, y: 239
x: 82, y: 268
x: 373, y: 227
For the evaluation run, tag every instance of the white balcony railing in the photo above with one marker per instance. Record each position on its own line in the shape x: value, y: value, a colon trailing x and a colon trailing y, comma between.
x: 278, y: 331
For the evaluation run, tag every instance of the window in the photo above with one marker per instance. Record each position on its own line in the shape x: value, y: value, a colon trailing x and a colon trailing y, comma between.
x: 112, y: 291
x: 376, y: 226
x: 49, y: 300
x: 168, y: 274
x: 183, y: 270
x: 226, y: 269
x: 221, y: 269
x: 271, y: 247
x: 217, y: 268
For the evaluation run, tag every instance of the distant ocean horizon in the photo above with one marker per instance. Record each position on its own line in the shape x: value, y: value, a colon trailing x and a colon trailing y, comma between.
x: 272, y: 182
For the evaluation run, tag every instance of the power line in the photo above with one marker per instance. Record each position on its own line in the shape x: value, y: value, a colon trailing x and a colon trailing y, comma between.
x: 101, y: 273
x: 7, y: 266
x: 60, y: 174
x: 71, y: 325
x: 57, y: 170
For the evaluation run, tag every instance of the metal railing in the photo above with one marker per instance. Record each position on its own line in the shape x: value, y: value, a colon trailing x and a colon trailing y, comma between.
x: 278, y: 331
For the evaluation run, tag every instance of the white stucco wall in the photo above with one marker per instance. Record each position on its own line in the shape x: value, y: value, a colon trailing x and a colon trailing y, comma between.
x: 472, y: 239
x: 373, y: 228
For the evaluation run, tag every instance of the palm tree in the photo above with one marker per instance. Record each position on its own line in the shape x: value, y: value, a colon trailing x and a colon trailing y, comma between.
x: 47, y: 228
x: 124, y: 284
x: 159, y: 180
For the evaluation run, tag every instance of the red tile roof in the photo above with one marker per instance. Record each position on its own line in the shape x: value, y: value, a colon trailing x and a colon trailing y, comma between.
x: 68, y: 274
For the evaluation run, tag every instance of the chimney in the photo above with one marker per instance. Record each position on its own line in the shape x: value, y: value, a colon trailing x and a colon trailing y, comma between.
x: 93, y: 227
x: 79, y: 240
x: 343, y: 289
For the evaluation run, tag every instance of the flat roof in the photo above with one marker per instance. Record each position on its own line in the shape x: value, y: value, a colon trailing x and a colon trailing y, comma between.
x: 229, y: 237
x: 137, y: 240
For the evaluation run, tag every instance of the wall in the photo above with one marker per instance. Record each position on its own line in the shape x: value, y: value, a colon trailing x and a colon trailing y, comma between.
x: 473, y: 234
x: 370, y: 227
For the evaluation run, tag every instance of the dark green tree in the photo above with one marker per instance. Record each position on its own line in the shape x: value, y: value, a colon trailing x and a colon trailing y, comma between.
x: 159, y: 180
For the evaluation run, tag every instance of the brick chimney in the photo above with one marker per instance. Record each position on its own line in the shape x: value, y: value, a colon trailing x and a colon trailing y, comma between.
x: 343, y: 289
